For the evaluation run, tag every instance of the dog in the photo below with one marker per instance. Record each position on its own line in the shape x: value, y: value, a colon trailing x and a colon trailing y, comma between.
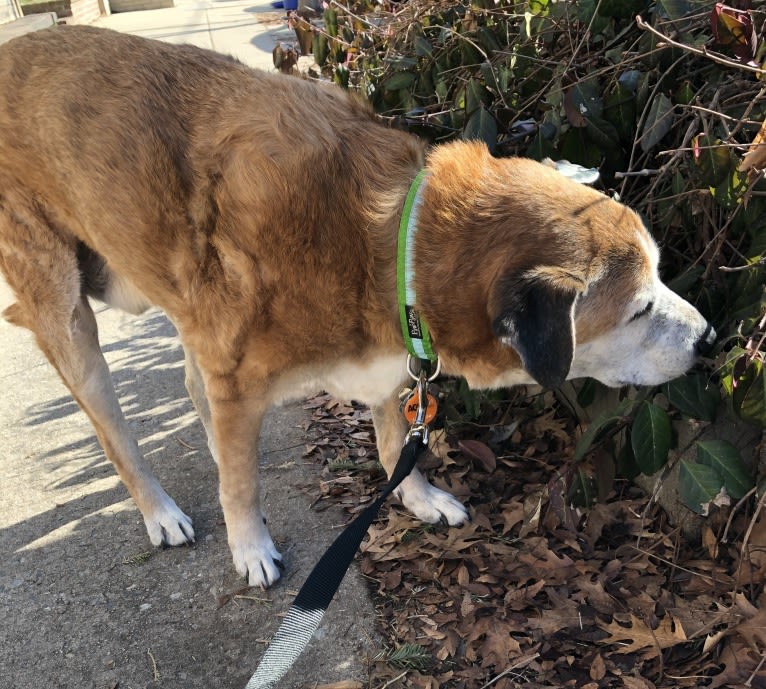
x: 260, y: 213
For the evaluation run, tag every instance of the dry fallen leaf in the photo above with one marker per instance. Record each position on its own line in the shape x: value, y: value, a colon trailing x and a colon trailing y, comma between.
x: 598, y: 668
x: 756, y: 155
x: 636, y: 683
x: 670, y: 633
x: 480, y: 453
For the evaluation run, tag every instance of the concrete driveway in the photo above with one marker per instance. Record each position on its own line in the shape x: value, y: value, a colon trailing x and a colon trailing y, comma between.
x: 85, y: 601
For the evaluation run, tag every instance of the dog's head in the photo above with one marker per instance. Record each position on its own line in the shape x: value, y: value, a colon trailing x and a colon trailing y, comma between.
x: 611, y: 319
x: 624, y: 327
x: 571, y: 283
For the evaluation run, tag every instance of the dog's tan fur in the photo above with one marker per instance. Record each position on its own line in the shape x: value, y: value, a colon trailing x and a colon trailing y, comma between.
x: 261, y: 215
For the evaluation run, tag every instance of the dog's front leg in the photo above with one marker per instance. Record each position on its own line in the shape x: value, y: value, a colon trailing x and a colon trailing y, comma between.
x: 426, y: 502
x: 236, y: 425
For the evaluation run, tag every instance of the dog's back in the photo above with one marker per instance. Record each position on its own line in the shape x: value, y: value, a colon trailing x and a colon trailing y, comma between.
x: 179, y: 176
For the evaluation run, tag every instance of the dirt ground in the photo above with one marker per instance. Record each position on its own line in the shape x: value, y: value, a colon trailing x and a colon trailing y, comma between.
x: 85, y: 601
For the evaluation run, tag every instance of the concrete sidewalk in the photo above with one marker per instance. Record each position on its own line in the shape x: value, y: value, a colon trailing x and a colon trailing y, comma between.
x: 85, y: 601
x: 246, y: 30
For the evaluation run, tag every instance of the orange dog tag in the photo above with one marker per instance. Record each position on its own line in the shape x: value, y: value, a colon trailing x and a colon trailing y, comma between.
x: 410, y: 408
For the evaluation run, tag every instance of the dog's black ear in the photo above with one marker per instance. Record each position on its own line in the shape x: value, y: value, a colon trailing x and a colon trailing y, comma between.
x: 534, y: 314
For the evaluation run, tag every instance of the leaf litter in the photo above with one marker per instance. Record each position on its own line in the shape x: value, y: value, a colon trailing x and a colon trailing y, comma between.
x: 534, y: 592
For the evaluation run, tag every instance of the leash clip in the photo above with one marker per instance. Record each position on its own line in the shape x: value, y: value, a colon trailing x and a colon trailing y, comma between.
x: 419, y: 425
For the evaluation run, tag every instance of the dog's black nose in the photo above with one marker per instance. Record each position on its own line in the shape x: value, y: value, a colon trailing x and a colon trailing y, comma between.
x: 705, y: 344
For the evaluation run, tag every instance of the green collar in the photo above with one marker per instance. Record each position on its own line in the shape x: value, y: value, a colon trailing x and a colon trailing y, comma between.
x: 414, y: 329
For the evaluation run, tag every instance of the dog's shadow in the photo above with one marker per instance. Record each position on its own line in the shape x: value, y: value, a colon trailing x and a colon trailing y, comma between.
x: 146, y: 365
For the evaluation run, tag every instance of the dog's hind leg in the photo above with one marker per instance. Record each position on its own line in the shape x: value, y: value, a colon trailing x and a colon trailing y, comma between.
x: 195, y: 386
x: 40, y: 265
x: 426, y: 502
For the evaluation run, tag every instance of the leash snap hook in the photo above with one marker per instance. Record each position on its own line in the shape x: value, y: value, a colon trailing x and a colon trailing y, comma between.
x: 419, y: 425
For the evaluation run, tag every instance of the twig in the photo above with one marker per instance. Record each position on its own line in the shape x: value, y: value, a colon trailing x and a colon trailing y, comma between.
x: 640, y: 126
x: 155, y: 671
x: 638, y: 173
x: 715, y: 57
x: 749, y: 346
x: 395, y: 679
x: 661, y: 660
x: 746, y: 539
x: 749, y: 682
x: 673, y: 564
x: 760, y: 262
x: 508, y: 671
x: 709, y: 111
x: 734, y: 511
x: 183, y: 443
x: 255, y: 599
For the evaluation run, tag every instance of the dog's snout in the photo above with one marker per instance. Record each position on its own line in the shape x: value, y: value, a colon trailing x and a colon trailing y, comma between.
x: 705, y: 343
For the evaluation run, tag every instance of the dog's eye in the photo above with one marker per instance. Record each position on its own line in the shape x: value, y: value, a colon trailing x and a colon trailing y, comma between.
x: 642, y: 312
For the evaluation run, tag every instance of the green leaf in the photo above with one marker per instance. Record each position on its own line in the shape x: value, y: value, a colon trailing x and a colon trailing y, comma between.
x: 626, y: 462
x: 540, y: 148
x: 576, y: 147
x: 684, y: 94
x: 694, y: 396
x: 488, y: 72
x: 471, y: 399
x: 537, y: 6
x: 422, y: 46
x: 729, y: 192
x: 487, y: 40
x: 441, y: 90
x: 586, y: 13
x: 658, y: 122
x: 749, y: 392
x: 587, y: 392
x: 620, y: 110
x: 698, y: 485
x: 602, y: 133
x: 331, y: 21
x: 583, y: 491
x: 673, y: 9
x: 341, y: 76
x: 651, y: 437
x: 403, y: 62
x: 320, y: 48
x: 600, y: 426
x: 712, y: 159
x: 399, y: 80
x: 681, y: 284
x: 481, y: 125
x: 583, y: 101
x: 476, y: 95
x: 727, y: 462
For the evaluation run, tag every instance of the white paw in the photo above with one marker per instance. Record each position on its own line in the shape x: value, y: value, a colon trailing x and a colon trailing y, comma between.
x: 255, y: 556
x: 167, y: 524
x: 430, y: 504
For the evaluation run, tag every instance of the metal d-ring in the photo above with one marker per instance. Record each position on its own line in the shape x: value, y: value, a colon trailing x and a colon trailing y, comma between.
x: 416, y: 376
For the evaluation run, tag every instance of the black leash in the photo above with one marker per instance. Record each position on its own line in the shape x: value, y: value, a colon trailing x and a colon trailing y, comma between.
x: 314, y: 598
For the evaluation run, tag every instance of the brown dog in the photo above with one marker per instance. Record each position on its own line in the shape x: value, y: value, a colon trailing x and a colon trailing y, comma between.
x: 260, y: 213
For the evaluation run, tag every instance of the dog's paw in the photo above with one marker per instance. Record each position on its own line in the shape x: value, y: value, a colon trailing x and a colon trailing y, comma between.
x: 256, y: 558
x: 431, y: 504
x: 167, y: 524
